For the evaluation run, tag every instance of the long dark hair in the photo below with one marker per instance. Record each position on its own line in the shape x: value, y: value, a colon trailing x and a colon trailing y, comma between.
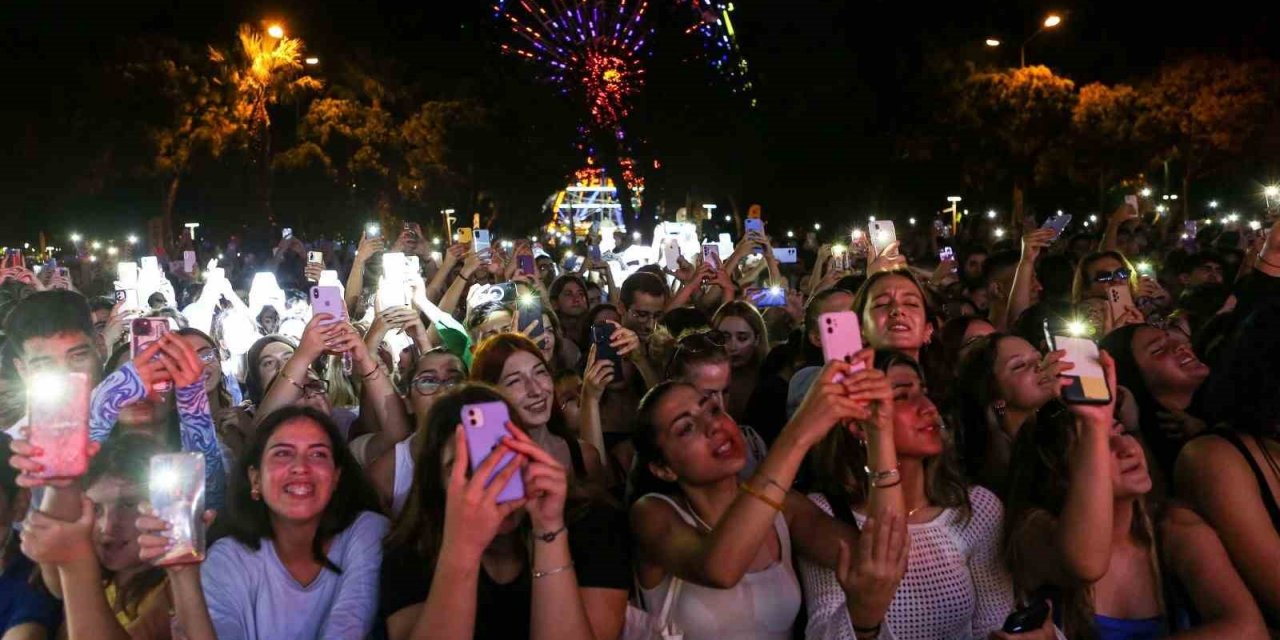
x: 248, y: 521
x: 1119, y: 343
x: 255, y: 386
x: 645, y: 440
x: 839, y: 460
x: 126, y: 455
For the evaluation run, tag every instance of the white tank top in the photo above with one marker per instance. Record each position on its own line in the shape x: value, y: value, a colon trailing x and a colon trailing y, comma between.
x: 762, y: 606
x: 403, y: 478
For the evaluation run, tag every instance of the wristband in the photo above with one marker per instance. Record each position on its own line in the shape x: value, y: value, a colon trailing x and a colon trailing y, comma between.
x: 551, y: 572
x: 758, y: 495
x: 550, y: 536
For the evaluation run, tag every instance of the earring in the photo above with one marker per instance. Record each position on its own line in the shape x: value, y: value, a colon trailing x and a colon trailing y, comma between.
x: 253, y: 493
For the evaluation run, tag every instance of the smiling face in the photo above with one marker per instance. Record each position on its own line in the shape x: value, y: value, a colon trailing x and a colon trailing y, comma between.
x: 700, y: 443
x: 527, y: 384
x: 917, y: 425
x: 894, y: 317
x: 115, y: 509
x: 1167, y: 364
x: 1019, y: 382
x: 298, y: 473
x: 1096, y: 289
x: 741, y: 340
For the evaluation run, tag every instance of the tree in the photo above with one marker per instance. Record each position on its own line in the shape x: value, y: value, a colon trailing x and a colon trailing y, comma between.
x: 1013, y: 119
x: 447, y: 150
x: 263, y: 71
x: 1208, y: 114
x: 1105, y: 146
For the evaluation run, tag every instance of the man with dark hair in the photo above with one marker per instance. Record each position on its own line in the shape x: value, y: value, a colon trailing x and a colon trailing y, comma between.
x: 25, y: 612
x: 644, y: 298
x: 52, y: 331
x: 568, y: 295
x: 1200, y: 268
x: 972, y: 260
x: 100, y: 308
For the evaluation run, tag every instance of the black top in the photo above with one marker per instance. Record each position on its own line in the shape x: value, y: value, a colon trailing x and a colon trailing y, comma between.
x: 1236, y: 440
x: 600, y: 549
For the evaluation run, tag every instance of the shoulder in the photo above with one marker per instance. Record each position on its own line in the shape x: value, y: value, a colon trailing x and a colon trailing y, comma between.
x: 230, y: 562
x: 1211, y: 456
x: 652, y: 514
x: 1207, y: 451
x: 368, y: 526
x: 986, y: 516
x: 821, y: 501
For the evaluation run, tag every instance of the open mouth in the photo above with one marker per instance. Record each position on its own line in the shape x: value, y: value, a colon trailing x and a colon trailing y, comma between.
x: 300, y: 489
x: 898, y: 327
x: 537, y: 407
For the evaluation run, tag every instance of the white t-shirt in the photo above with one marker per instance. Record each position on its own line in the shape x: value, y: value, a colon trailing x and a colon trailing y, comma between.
x: 251, y: 595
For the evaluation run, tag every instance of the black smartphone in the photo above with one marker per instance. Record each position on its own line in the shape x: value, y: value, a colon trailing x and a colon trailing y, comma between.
x: 529, y: 308
x: 601, y: 334
x: 1027, y: 618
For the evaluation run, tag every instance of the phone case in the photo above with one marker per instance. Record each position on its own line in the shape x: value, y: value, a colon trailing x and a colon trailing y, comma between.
x: 189, y: 261
x: 150, y: 263
x: 769, y: 297
x: 841, y: 337
x: 671, y: 253
x: 391, y: 289
x: 882, y: 234
x: 785, y: 255
x: 1088, y: 381
x: 711, y: 255
x: 480, y: 240
x: 1028, y: 618
x: 754, y: 224
x: 1057, y: 223
x: 143, y: 332
x: 485, y: 424
x: 601, y: 334
x: 177, y: 495
x: 58, y: 416
x: 525, y: 265
x: 464, y: 235
x: 527, y: 311
x: 328, y: 299
x: 1119, y: 300
x: 412, y: 265
x: 315, y: 256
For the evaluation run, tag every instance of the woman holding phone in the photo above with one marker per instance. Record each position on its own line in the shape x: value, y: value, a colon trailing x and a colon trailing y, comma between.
x: 461, y: 564
x: 727, y: 544
x: 298, y: 551
x: 747, y: 342
x: 1079, y: 522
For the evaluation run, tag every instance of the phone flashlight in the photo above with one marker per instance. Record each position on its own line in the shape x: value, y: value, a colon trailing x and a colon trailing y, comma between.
x: 47, y: 389
x: 1144, y: 267
x: 527, y: 300
x: 837, y: 250
x: 857, y: 234
x: 372, y: 230
x: 164, y: 480
x: 1077, y: 328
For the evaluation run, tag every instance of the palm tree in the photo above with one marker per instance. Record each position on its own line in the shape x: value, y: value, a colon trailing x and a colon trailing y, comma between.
x: 264, y: 71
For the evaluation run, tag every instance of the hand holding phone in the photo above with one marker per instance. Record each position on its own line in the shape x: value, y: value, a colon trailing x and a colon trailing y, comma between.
x: 177, y: 492
x: 485, y: 425
x: 841, y: 335
x: 602, y: 338
x: 143, y: 332
x: 58, y: 419
x: 1088, y: 382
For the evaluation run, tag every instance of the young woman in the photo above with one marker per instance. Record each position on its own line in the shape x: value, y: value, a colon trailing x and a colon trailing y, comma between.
x: 1164, y: 376
x: 952, y: 583
x: 263, y: 362
x: 727, y: 544
x: 302, y: 544
x: 108, y: 592
x: 1098, y: 271
x: 459, y: 564
x: 747, y: 343
x: 515, y: 365
x: 1078, y: 522
x: 392, y: 473
x: 233, y: 423
x: 891, y: 306
x: 1003, y: 383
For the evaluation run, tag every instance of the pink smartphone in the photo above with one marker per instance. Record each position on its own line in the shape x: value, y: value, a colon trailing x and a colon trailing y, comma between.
x: 326, y: 299
x: 58, y: 417
x: 711, y: 255
x: 143, y: 332
x: 841, y: 337
x: 1119, y: 300
x: 485, y: 424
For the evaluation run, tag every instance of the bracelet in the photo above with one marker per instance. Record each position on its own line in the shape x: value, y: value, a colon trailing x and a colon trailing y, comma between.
x: 368, y: 376
x: 759, y: 495
x: 550, y: 536
x: 887, y: 486
x: 552, y: 572
x: 291, y: 380
x: 775, y: 483
x: 876, y: 477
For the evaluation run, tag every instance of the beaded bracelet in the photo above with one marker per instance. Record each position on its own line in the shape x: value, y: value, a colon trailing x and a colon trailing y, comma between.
x: 551, y: 572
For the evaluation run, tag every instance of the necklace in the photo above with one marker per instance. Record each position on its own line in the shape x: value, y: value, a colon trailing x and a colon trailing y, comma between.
x: 912, y: 512
x: 694, y: 512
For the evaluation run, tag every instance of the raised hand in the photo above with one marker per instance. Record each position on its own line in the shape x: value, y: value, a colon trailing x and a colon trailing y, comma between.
x: 24, y: 458
x: 597, y: 377
x: 180, y: 360
x: 472, y: 514
x: 827, y: 404
x: 368, y: 246
x: 546, y: 483
x: 48, y: 540
x: 871, y: 572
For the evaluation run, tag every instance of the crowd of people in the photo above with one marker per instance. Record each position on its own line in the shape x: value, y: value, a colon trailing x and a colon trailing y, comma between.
x: 673, y: 449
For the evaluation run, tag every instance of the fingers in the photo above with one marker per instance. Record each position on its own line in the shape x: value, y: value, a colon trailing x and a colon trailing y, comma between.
x: 458, y: 475
x: 486, y: 468
x: 844, y: 559
x: 532, y: 451
x: 500, y: 481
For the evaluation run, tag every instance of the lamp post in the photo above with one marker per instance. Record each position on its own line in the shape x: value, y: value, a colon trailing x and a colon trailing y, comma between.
x: 1050, y: 21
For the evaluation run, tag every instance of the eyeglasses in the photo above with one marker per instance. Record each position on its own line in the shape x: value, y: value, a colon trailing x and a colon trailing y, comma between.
x: 427, y: 385
x: 207, y: 355
x: 1110, y: 276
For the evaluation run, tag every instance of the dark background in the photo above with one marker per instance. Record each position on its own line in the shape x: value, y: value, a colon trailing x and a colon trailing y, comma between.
x: 841, y: 88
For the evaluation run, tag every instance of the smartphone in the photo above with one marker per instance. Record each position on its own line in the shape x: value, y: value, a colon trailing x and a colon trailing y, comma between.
x: 413, y: 265
x: 754, y: 211
x: 480, y: 241
x: 841, y: 337
x: 1058, y: 224
x: 594, y: 252
x: 1029, y: 618
x: 391, y: 289
x: 127, y: 273
x: 286, y: 233
x: 882, y: 235
x: 189, y: 261
x: 409, y: 229
x: 671, y: 253
x: 947, y: 253
x: 150, y: 263
x: 711, y: 255
x: 1119, y: 300
x: 315, y: 256
x: 1132, y: 201
x: 525, y: 265
x: 485, y: 425
x: 785, y: 255
x: 464, y: 235
x: 58, y: 417
x: 769, y: 297
x: 1088, y: 381
x: 601, y: 334
x: 372, y: 230
x: 528, y: 309
x: 176, y: 487
x: 326, y: 299
x: 754, y: 225
x: 62, y: 272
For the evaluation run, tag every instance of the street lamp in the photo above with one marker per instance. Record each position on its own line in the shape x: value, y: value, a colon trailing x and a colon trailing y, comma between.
x: 992, y: 42
x: 313, y: 61
x: 1146, y: 192
x: 1050, y: 21
x: 75, y: 237
x: 1213, y: 204
x: 275, y: 31
x: 133, y: 239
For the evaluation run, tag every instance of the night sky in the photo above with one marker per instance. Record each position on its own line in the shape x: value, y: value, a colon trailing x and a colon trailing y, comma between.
x: 839, y: 85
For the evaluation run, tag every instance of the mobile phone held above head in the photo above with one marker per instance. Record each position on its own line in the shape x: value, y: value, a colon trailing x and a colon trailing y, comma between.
x: 485, y: 425
x: 1058, y: 223
x: 601, y: 337
x: 754, y: 225
x: 58, y: 420
x: 841, y: 336
x: 711, y: 255
x: 328, y: 299
x: 528, y: 310
x: 525, y: 265
x: 1088, y: 380
x: 769, y: 297
x: 785, y: 255
x: 882, y: 235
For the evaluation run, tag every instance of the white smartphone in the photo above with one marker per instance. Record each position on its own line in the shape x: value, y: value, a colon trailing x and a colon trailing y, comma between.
x: 189, y: 261
x: 127, y: 273
x: 391, y: 290
x: 882, y: 235
x: 150, y: 263
x: 286, y: 233
x: 413, y: 265
x: 671, y: 253
x: 785, y: 255
x: 480, y: 240
x: 315, y: 256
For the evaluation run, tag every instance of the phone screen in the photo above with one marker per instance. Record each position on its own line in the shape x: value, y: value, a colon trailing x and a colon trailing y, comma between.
x: 1088, y: 381
x: 177, y: 488
x: 58, y: 419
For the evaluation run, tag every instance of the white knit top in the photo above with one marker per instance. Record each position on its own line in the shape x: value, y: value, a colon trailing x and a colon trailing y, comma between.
x: 955, y: 585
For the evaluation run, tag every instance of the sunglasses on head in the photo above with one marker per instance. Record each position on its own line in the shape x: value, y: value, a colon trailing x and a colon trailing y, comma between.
x: 1111, y: 276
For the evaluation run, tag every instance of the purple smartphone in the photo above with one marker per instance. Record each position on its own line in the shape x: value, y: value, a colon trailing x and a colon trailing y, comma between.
x: 841, y: 337
x: 485, y: 424
x: 525, y: 265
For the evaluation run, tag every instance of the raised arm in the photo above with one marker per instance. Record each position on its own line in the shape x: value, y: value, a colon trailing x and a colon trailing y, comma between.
x: 355, y: 279
x: 1117, y: 220
x: 287, y: 388
x: 377, y: 394
x: 1024, y: 279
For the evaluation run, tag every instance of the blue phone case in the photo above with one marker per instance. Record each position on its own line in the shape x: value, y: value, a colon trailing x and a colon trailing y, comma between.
x: 485, y: 424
